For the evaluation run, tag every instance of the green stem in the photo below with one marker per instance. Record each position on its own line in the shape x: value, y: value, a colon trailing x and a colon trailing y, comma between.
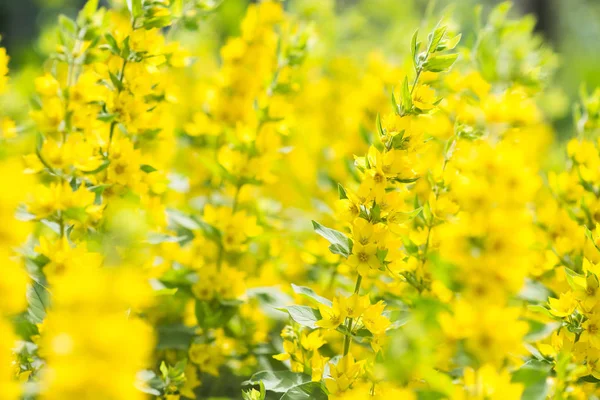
x: 234, y: 206
x: 114, y: 123
x: 236, y: 197
x: 350, y: 321
x: 358, y: 282
x: 332, y: 277
x: 61, y: 224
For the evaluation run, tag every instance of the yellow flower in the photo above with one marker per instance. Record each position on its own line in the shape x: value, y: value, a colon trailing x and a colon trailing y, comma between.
x: 317, y: 366
x: 312, y: 341
x: 8, y: 128
x: 362, y: 230
x: 331, y: 317
x: 191, y: 381
x: 46, y: 85
x: 13, y: 284
x: 591, y: 333
x: 374, y: 320
x: 423, y: 97
x: 93, y: 346
x: 344, y: 374
x: 364, y: 258
x: 208, y: 357
x: 355, y: 305
x: 487, y: 383
x: 564, y: 305
x: 236, y: 227
x: 587, y: 294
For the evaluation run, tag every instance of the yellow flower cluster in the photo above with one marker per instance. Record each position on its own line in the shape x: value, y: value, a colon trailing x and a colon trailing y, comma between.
x: 14, y: 278
x: 157, y: 198
x: 91, y: 327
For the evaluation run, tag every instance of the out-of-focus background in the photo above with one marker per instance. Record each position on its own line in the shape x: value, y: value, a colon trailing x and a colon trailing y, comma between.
x: 571, y: 28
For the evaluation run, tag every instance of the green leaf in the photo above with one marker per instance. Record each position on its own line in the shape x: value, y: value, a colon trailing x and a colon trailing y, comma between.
x: 414, y: 47
x: 342, y: 192
x: 539, y: 331
x: 534, y: 291
x: 435, y: 38
x: 147, y: 168
x: 401, y: 217
x: 157, y: 237
x: 157, y: 22
x: 589, y: 378
x: 112, y: 43
x: 379, y: 126
x: 452, y: 43
x: 398, y: 141
x: 101, y: 168
x: 308, y: 292
x: 39, y: 143
x: 115, y: 81
x: 39, y: 301
x: 135, y: 7
x: 160, y: 289
x: 340, y: 243
x: 270, y: 298
x: 407, y: 103
x: 365, y: 135
x: 89, y: 9
x: 67, y: 24
x: 178, y: 218
x: 498, y: 14
x: 106, y: 117
x: 210, y: 231
x: 306, y: 391
x: 359, y: 334
x: 407, y: 180
x: 541, y: 310
x: 487, y: 57
x: 589, y: 235
x: 395, y: 104
x: 215, y: 314
x: 24, y: 327
x: 427, y: 394
x: 575, y: 280
x: 533, y: 376
x: 278, y: 381
x: 76, y: 213
x: 440, y: 63
x: 305, y: 316
x: 176, y: 336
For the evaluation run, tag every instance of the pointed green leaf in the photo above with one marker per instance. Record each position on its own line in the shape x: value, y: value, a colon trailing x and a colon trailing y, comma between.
x: 112, y: 43
x: 414, y: 47
x: 278, y: 381
x: 440, y: 63
x: 135, y: 7
x: 435, y: 38
x: 533, y: 375
x: 147, y: 168
x: 305, y: 316
x: 39, y: 300
x: 406, y: 97
x: 379, y: 126
x: 340, y: 243
x: 306, y: 391
x: 308, y: 292
x: 342, y: 192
